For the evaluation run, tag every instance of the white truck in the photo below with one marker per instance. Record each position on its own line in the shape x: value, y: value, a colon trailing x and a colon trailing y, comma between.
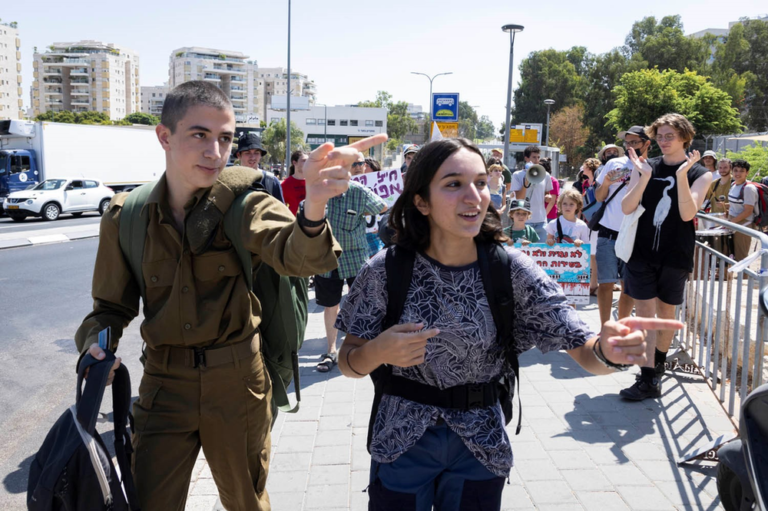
x: 120, y: 157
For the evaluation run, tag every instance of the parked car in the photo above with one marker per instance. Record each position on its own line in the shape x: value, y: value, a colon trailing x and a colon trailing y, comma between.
x: 52, y: 197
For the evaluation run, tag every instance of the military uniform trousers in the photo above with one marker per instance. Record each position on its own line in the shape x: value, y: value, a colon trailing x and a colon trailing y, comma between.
x: 223, y: 408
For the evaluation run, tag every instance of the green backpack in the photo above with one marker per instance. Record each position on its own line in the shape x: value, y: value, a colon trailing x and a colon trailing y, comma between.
x: 284, y: 300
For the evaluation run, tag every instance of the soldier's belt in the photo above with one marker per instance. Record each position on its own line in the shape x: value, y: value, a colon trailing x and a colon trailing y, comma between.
x: 205, y: 357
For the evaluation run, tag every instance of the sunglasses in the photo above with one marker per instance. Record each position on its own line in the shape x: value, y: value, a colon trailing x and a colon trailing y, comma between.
x: 358, y: 164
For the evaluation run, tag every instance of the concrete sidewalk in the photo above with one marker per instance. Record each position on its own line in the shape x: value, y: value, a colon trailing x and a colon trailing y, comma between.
x: 51, y: 235
x: 581, y: 447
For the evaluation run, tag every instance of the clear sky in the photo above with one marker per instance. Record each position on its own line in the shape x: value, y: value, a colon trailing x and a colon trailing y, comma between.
x: 353, y: 49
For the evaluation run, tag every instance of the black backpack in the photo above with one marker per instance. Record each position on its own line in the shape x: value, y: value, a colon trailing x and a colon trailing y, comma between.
x: 494, y: 270
x: 73, y: 470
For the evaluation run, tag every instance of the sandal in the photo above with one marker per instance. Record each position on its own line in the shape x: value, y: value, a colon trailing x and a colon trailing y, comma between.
x: 329, y: 360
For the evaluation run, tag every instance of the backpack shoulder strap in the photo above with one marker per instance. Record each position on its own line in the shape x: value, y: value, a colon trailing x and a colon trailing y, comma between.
x: 233, y: 224
x: 121, y: 403
x: 399, y: 264
x: 494, y: 270
x: 133, y: 230
x: 559, y: 231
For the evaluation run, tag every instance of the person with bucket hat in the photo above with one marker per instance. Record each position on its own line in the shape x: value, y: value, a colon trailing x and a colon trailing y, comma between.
x: 709, y: 160
x: 250, y: 152
x: 519, y: 213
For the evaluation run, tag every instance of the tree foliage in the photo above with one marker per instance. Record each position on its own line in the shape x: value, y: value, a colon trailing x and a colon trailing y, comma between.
x: 569, y: 132
x: 399, y: 122
x: 142, y: 118
x: 273, y: 140
x: 643, y: 96
x: 68, y: 117
x: 547, y: 74
x: 467, y: 121
x: 664, y: 45
x: 757, y: 156
x: 485, y: 130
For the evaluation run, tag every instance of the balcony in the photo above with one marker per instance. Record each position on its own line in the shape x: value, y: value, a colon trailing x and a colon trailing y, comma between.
x: 236, y: 79
x: 210, y: 77
x: 236, y: 99
x: 80, y: 92
x: 52, y: 81
x: 81, y: 101
x: 54, y: 102
x: 238, y: 108
x: 53, y: 92
x: 228, y: 70
x: 79, y: 71
x: 52, y: 71
x: 237, y: 88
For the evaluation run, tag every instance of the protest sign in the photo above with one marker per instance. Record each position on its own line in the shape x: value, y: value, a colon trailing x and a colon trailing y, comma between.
x: 565, y: 263
x: 387, y: 184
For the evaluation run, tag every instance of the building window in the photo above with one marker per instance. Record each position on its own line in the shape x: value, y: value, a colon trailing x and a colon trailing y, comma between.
x: 321, y: 122
x: 331, y: 122
x: 379, y: 124
x: 311, y: 122
x: 353, y: 122
x: 343, y: 122
x: 368, y: 124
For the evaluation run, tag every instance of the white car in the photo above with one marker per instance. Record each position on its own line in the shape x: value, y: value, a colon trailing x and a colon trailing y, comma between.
x: 53, y: 197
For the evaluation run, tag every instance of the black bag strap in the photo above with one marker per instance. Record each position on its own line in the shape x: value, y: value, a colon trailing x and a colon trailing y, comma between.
x: 89, y: 402
x: 559, y: 231
x: 494, y: 270
x: 615, y: 193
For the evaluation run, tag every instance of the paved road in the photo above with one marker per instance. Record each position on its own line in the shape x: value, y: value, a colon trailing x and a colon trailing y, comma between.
x: 44, y: 295
x: 35, y: 224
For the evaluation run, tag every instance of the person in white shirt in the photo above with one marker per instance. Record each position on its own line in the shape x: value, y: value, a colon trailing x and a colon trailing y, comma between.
x: 536, y: 195
x: 568, y: 228
x: 612, y: 181
x: 742, y: 205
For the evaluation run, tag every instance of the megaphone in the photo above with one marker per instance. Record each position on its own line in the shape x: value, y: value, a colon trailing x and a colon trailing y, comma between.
x: 535, y: 174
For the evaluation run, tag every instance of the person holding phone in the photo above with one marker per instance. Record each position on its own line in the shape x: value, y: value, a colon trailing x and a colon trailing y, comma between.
x: 717, y: 197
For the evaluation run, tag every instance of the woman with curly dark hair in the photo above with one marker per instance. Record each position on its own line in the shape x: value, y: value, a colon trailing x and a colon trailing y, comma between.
x: 445, y: 444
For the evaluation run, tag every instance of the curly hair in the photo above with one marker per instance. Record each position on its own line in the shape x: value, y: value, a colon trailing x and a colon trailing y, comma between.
x: 572, y: 194
x: 678, y: 122
x: 592, y: 164
x: 411, y: 227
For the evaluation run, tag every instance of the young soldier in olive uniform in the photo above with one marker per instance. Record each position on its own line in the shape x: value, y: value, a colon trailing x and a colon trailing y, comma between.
x: 197, y: 301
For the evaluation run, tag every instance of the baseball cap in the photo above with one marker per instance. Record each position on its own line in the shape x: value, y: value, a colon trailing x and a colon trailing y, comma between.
x: 497, y: 150
x: 710, y: 153
x: 411, y: 149
x: 635, y: 130
x: 518, y: 204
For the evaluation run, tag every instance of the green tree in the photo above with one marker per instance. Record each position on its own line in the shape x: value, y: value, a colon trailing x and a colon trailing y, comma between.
x: 485, y: 129
x: 142, y: 118
x: 740, y: 67
x: 273, y: 139
x: 643, y: 96
x: 757, y: 156
x: 602, y: 74
x: 399, y: 122
x: 546, y: 74
x: 467, y: 121
x: 664, y: 45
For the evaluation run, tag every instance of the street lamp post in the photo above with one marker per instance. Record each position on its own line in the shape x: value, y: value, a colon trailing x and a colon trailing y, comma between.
x: 512, y: 30
x: 288, y: 99
x: 430, y: 88
x: 549, y: 103
x: 325, y: 122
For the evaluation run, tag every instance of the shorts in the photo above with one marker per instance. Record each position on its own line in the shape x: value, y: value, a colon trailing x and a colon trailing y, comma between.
x: 609, y: 267
x: 646, y: 281
x: 328, y: 290
x: 440, y: 471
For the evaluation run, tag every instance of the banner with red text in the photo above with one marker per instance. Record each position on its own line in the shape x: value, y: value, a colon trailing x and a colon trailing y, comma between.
x: 565, y: 263
x: 387, y: 184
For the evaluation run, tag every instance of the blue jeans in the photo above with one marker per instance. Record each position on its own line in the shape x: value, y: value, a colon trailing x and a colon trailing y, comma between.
x: 540, y: 230
x: 438, y: 471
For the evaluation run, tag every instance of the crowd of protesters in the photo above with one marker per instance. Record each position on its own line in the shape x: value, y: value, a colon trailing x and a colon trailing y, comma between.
x: 437, y: 318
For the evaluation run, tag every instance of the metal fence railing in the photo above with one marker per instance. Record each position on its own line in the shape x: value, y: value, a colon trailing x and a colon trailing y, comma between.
x: 726, y: 322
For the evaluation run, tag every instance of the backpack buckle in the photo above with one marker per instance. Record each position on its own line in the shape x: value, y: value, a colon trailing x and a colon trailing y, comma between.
x: 474, y: 396
x: 198, y: 357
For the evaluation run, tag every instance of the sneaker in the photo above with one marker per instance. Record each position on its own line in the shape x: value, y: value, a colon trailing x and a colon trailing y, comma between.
x: 642, y: 390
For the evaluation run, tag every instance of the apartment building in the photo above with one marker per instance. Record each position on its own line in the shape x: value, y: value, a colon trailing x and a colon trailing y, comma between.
x: 341, y: 125
x: 11, y: 102
x: 275, y: 83
x: 230, y: 70
x: 152, y: 99
x: 86, y: 76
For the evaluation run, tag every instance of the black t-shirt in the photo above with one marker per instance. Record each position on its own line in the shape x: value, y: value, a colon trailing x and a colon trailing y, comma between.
x: 662, y: 236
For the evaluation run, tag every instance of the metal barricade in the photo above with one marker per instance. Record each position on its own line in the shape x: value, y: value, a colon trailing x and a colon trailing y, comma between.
x: 724, y: 338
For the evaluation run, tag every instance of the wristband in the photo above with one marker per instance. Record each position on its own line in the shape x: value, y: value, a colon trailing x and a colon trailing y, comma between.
x: 598, y: 351
x: 350, y: 365
x: 304, y: 222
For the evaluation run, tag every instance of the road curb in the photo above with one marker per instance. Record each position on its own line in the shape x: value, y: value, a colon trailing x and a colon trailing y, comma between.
x: 30, y: 238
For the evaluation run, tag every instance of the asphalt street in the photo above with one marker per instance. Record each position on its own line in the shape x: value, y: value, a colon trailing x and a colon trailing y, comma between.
x: 44, y: 295
x: 35, y: 224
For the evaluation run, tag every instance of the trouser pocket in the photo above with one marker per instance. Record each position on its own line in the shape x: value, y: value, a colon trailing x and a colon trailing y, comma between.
x: 383, y: 499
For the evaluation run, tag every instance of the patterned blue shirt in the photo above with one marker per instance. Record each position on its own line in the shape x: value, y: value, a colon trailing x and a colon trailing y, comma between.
x: 453, y: 300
